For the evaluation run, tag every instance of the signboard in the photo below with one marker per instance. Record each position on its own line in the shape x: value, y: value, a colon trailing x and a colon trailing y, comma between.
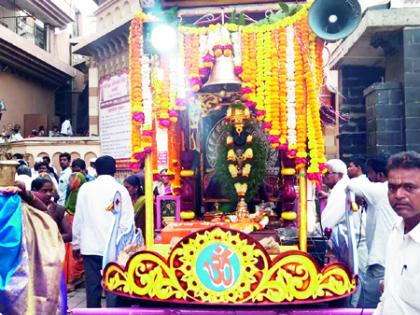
x: 404, y: 3
x: 115, y: 116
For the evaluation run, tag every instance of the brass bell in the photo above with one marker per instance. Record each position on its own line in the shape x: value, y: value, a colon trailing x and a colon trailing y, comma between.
x: 222, y: 77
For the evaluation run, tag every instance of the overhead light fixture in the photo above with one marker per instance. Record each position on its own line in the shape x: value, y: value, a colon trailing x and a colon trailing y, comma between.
x: 164, y: 37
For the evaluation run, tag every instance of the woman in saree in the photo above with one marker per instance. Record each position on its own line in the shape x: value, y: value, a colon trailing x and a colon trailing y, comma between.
x: 43, y: 189
x: 135, y: 189
x: 31, y: 255
x: 73, y: 268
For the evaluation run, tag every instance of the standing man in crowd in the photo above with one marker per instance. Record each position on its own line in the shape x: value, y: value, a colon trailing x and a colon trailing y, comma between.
x: 333, y: 215
x: 379, y: 221
x: 402, y: 272
x: 63, y: 180
x: 93, y: 222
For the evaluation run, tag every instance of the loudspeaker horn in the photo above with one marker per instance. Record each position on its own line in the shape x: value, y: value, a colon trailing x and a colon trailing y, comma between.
x: 333, y: 20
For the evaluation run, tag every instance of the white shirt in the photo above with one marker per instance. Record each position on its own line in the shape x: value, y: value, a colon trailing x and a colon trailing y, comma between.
x: 26, y: 179
x: 63, y: 184
x: 334, y: 213
x: 66, y: 128
x: 402, y: 273
x: 380, y: 218
x: 92, y: 222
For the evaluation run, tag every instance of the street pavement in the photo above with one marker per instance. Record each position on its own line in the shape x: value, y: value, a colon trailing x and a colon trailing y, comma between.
x: 77, y: 298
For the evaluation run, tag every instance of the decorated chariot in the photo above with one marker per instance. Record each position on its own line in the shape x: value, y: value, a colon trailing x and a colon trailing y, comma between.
x: 232, y: 104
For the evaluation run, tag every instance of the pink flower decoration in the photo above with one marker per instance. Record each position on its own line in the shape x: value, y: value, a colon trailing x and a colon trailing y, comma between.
x: 139, y: 155
x: 147, y: 150
x: 291, y: 153
x: 138, y: 116
x: 134, y: 167
x: 173, y: 113
x: 273, y: 139
x: 195, y: 81
x: 300, y: 161
x: 227, y: 47
x: 283, y: 146
x: 217, y: 47
x: 260, y: 112
x: 147, y: 133
x: 238, y: 70
x: 208, y: 58
x: 250, y: 104
x: 267, y: 125
x: 204, y: 72
x: 164, y: 122
x: 245, y: 90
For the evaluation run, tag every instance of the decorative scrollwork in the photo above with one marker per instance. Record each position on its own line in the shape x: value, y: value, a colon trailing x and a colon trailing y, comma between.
x: 222, y: 266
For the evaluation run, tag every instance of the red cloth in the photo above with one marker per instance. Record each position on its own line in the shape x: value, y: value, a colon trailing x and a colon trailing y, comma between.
x: 73, y: 269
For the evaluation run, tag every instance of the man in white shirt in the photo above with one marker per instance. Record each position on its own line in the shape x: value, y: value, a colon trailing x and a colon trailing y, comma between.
x: 63, y: 180
x: 66, y: 129
x: 336, y: 179
x: 94, y: 221
x: 379, y: 221
x: 402, y: 272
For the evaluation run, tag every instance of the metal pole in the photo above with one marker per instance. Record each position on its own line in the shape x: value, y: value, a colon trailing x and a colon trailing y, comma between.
x: 303, y: 218
x: 148, y: 179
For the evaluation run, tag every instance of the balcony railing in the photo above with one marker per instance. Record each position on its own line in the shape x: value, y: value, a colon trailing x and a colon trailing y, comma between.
x: 23, y: 24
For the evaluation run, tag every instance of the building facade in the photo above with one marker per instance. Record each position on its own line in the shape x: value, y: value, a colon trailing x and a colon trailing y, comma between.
x: 379, y: 72
x: 37, y: 81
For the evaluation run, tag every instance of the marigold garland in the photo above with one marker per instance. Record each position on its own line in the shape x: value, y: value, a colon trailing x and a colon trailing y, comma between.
x: 282, y: 46
x: 281, y: 71
x: 300, y: 103
x: 291, y: 92
x: 135, y: 53
x: 260, y: 82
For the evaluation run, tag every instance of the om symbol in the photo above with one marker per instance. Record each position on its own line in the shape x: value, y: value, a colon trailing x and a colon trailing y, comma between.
x: 218, y: 267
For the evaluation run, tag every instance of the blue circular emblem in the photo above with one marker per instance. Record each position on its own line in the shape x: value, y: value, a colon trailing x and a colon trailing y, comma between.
x: 218, y: 267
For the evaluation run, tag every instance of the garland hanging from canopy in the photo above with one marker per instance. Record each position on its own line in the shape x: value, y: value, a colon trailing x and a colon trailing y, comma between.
x: 281, y: 68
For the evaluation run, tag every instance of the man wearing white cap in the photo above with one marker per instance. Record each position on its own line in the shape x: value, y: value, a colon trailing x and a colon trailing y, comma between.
x: 337, y: 180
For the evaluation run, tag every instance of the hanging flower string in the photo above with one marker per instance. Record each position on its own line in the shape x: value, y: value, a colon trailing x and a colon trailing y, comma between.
x: 301, y: 128
x: 249, y: 68
x: 281, y: 68
x: 135, y: 54
x: 264, y: 89
x: 274, y: 89
x: 192, y: 61
x: 147, y: 134
x: 259, y: 82
x: 282, y: 46
x: 291, y: 92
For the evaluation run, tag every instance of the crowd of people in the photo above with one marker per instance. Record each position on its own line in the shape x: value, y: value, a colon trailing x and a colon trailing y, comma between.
x: 13, y: 132
x: 387, y: 229
x: 81, y: 202
x: 92, y: 210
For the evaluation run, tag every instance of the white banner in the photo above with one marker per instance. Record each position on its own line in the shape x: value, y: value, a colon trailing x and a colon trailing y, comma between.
x: 113, y: 87
x: 115, y: 116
